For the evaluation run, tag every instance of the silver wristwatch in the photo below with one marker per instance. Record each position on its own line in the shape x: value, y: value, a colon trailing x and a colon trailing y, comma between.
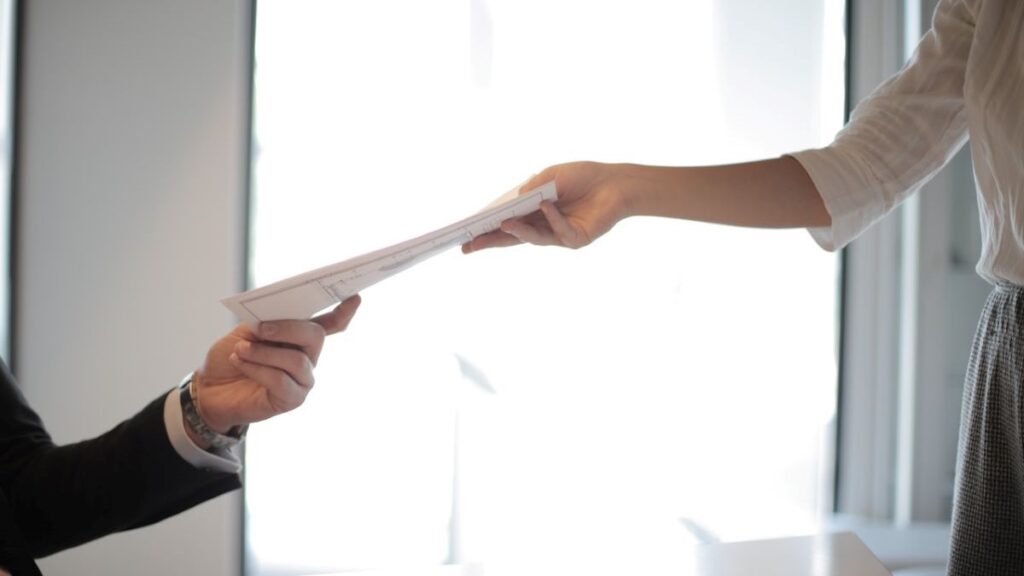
x: 189, y: 410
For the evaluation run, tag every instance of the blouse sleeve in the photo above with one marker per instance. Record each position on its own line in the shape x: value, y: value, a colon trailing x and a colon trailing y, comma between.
x: 900, y: 135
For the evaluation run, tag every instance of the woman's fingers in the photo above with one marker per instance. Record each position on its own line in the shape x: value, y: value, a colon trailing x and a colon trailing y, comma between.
x: 545, y: 176
x: 529, y: 233
x: 567, y: 235
x: 496, y: 239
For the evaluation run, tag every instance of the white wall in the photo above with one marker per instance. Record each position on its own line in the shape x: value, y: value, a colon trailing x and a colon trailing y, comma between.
x: 130, y: 230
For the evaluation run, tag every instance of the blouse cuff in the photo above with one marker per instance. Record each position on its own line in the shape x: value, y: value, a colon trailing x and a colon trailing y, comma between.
x: 222, y: 461
x: 846, y: 202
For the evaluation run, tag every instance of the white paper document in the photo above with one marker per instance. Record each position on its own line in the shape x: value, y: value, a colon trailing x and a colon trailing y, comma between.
x: 301, y: 296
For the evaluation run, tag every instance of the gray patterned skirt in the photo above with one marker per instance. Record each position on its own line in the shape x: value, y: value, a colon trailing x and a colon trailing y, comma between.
x: 988, y: 508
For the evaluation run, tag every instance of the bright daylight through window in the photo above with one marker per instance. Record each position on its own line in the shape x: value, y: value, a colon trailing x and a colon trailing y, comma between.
x: 530, y: 408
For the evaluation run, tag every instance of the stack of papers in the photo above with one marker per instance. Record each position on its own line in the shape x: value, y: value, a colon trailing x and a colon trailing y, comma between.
x: 302, y: 296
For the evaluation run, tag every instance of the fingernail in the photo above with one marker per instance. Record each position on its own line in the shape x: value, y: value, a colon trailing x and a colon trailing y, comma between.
x: 244, y: 347
x: 268, y: 328
x: 234, y: 358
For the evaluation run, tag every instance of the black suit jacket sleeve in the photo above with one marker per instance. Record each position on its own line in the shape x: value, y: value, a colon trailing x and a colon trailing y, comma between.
x: 62, y: 496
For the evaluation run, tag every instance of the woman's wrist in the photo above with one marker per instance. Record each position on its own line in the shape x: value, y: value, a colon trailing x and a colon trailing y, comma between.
x: 639, y: 187
x: 624, y: 186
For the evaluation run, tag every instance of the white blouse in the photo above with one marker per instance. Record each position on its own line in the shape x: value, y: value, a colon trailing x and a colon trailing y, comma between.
x: 966, y: 78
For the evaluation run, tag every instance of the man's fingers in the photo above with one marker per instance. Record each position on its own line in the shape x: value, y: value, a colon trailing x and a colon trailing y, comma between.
x: 283, y: 393
x: 338, y: 319
x: 300, y: 334
x: 294, y: 362
x: 308, y: 335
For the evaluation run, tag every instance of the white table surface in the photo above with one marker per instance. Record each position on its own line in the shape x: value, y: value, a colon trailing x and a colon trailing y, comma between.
x: 836, y: 554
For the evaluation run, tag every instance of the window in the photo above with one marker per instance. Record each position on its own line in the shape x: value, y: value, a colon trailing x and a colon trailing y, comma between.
x: 529, y: 407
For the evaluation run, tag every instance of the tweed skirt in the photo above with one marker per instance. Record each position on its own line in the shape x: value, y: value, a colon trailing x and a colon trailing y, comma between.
x: 988, y: 506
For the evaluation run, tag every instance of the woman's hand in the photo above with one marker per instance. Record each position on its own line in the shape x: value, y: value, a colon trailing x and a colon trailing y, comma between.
x: 592, y: 197
x: 251, y: 376
x: 591, y: 200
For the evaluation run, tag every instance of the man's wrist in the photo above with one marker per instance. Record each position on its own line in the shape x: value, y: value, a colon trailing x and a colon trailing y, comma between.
x: 195, y: 438
x: 197, y: 427
x: 211, y: 423
x: 211, y: 459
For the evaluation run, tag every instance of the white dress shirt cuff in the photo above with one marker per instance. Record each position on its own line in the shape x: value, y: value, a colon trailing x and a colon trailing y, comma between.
x: 223, y: 461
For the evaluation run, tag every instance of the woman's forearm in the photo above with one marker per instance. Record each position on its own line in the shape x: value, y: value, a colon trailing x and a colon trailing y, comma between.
x: 593, y: 197
x: 775, y: 193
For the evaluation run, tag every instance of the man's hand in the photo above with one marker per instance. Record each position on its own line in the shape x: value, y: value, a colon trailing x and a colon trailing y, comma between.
x: 251, y: 376
x: 591, y: 200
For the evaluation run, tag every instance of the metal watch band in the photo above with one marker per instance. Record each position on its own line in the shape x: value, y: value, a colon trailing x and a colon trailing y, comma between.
x: 216, y: 440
